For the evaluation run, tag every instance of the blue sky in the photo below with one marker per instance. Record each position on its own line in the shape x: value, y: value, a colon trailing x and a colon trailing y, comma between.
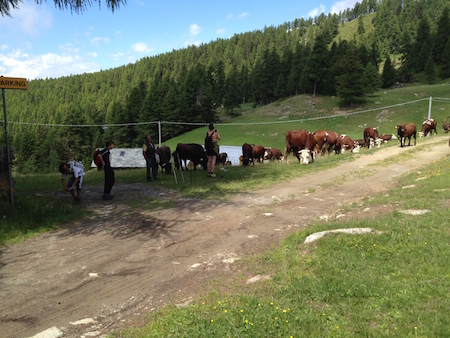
x: 40, y: 41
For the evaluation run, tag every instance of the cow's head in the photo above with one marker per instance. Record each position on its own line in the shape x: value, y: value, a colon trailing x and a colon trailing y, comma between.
x: 378, y: 142
x: 355, y: 148
x: 305, y: 156
x: 421, y: 134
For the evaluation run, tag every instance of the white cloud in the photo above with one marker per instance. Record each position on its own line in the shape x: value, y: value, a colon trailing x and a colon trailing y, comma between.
x: 342, y: 5
x: 92, y: 55
x: 221, y: 31
x: 29, y: 18
x: 141, y: 47
x: 316, y: 11
x: 242, y: 15
x: 97, y: 40
x: 194, y: 29
x: 229, y: 17
x: 19, y: 63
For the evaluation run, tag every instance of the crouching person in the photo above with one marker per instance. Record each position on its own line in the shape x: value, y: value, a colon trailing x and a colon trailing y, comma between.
x: 76, y: 171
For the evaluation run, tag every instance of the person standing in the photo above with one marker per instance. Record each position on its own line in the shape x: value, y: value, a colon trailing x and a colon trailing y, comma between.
x: 105, y: 157
x: 149, y: 152
x: 76, y: 170
x: 212, y: 150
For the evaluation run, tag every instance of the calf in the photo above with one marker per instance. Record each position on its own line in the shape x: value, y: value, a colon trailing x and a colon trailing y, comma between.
x: 273, y: 154
x: 406, y: 131
x: 345, y: 143
x: 190, y: 151
x: 258, y: 153
x: 164, y: 159
x: 428, y: 126
x: 247, y: 156
x: 222, y: 159
x: 387, y: 137
x: 370, y: 133
x: 297, y: 140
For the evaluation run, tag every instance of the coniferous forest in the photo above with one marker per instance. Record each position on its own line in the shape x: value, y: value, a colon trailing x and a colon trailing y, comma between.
x: 392, y: 40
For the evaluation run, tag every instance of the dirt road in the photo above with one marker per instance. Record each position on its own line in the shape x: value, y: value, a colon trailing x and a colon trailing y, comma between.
x: 109, y: 270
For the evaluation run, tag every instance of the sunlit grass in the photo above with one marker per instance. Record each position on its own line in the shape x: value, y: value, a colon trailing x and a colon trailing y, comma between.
x: 391, y: 283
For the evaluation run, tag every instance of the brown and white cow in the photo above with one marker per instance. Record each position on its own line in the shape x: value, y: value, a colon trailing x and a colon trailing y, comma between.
x: 164, y: 159
x: 370, y: 133
x: 446, y: 127
x: 273, y: 154
x: 326, y: 141
x: 406, y: 131
x: 428, y: 126
x: 258, y: 153
x: 247, y: 155
x: 222, y: 159
x: 298, y: 140
x: 386, y: 137
x: 345, y: 143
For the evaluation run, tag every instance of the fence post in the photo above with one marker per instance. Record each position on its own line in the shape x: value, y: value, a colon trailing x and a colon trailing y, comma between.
x: 429, y: 108
x: 159, y: 132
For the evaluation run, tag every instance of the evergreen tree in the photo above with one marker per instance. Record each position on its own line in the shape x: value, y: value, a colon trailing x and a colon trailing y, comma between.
x: 445, y: 68
x: 430, y: 73
x: 441, y: 36
x: 371, y: 78
x: 317, y: 65
x: 388, y: 77
x: 422, y: 45
x: 350, y: 85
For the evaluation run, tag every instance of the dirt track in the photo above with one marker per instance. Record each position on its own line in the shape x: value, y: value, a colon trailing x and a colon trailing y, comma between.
x: 122, y: 263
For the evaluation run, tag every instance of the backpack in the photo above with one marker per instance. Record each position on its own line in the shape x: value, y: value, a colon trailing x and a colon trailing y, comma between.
x: 97, y: 161
x: 208, y: 142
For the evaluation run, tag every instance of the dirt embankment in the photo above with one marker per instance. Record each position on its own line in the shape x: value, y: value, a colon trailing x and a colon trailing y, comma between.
x: 109, y: 270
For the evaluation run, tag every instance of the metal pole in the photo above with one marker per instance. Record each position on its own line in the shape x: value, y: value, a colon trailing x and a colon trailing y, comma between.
x: 159, y: 132
x: 11, y: 190
x: 429, y: 108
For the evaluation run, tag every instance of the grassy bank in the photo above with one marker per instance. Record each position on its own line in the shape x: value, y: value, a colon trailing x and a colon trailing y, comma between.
x: 393, y: 283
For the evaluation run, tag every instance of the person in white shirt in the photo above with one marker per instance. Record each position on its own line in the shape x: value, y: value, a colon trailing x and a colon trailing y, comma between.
x: 76, y: 170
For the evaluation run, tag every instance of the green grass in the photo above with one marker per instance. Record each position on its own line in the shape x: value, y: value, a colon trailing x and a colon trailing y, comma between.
x: 391, y: 284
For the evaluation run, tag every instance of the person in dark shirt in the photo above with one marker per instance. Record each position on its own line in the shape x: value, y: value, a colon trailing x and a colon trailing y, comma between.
x: 149, y: 152
x: 105, y: 156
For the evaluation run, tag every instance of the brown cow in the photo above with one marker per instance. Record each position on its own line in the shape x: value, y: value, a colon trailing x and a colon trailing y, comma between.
x: 273, y: 154
x: 326, y: 140
x: 386, y: 137
x: 370, y: 133
x: 344, y: 143
x: 164, y: 159
x: 258, y: 153
x: 247, y: 156
x: 222, y: 159
x: 406, y: 131
x: 428, y: 126
x: 298, y: 140
x: 446, y: 127
x: 360, y: 142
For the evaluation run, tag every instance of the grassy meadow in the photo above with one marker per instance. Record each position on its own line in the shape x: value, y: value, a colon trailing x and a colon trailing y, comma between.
x: 393, y: 283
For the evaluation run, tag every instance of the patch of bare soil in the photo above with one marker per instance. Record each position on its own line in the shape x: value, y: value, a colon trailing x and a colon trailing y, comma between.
x: 107, y: 271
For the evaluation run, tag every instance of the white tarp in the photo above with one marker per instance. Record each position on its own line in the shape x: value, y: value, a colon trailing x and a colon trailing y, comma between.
x: 126, y: 158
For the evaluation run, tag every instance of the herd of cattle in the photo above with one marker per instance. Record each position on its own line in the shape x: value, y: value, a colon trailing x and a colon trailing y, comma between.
x: 302, y: 143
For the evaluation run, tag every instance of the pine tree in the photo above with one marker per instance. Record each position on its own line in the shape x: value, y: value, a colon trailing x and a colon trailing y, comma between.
x: 430, y: 72
x: 445, y: 68
x: 388, y: 77
x: 350, y: 85
x: 371, y: 78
